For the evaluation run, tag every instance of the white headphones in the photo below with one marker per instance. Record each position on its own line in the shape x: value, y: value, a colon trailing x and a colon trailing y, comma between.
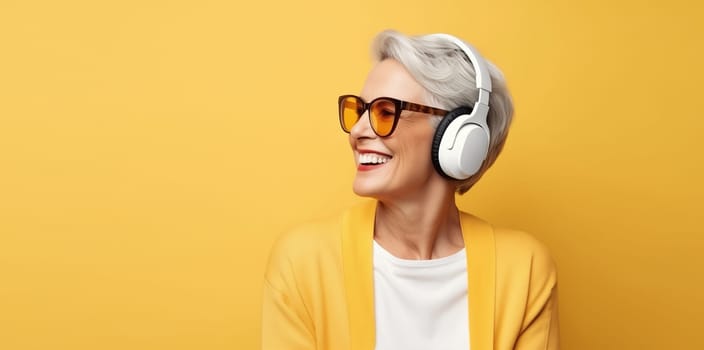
x: 461, y: 141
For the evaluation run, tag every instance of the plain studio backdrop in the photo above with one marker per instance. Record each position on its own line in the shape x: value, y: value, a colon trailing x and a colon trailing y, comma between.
x: 152, y: 151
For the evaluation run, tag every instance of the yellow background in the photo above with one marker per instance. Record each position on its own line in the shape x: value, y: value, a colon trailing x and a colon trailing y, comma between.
x: 151, y: 152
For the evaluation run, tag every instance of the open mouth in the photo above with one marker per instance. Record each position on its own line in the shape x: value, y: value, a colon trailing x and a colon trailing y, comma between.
x: 371, y: 159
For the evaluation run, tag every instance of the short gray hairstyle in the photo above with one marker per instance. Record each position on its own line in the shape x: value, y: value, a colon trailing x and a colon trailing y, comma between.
x: 446, y: 73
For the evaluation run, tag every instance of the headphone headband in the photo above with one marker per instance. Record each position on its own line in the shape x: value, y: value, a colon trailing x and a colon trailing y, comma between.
x: 483, y: 79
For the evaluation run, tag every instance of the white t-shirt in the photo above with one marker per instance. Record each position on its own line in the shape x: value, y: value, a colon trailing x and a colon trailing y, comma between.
x: 420, y: 304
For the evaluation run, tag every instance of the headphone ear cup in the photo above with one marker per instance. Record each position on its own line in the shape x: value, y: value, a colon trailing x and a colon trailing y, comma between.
x: 440, y: 132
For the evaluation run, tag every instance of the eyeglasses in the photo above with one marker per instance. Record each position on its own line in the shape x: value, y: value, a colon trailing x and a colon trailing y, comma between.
x: 384, y: 112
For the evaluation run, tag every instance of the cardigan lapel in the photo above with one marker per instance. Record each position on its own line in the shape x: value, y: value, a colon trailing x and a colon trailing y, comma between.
x: 357, y: 266
x: 481, y: 274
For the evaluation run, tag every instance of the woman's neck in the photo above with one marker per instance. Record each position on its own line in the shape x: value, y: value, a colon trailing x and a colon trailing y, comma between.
x: 423, y: 228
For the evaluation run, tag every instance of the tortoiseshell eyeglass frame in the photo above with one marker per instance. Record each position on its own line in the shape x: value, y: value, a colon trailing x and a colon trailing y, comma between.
x: 399, y: 105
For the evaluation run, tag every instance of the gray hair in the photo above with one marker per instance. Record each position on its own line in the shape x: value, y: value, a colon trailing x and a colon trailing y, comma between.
x: 445, y: 72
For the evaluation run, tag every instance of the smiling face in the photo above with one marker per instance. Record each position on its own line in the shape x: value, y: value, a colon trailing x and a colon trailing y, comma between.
x: 399, y: 165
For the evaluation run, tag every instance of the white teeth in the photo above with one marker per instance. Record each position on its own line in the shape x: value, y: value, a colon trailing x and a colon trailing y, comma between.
x: 371, y: 158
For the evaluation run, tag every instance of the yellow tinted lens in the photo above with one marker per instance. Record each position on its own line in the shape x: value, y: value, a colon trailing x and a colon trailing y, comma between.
x: 383, y: 115
x: 350, y: 109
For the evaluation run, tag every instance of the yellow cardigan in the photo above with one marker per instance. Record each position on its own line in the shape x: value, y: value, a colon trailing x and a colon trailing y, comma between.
x: 319, y: 292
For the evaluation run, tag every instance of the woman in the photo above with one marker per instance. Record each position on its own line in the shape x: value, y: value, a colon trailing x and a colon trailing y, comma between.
x: 408, y: 270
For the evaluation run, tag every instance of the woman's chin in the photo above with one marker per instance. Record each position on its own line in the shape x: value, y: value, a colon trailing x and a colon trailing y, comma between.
x: 364, y: 191
x: 368, y: 188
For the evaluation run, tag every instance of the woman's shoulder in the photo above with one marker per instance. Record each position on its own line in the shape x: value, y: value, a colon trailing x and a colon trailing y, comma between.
x: 522, y: 254
x: 308, y: 236
x: 519, y: 242
x: 507, y: 241
x: 323, y: 233
x: 517, y: 250
x: 304, y: 247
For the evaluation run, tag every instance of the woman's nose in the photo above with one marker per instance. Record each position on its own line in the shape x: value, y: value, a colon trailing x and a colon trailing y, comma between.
x: 362, y: 128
